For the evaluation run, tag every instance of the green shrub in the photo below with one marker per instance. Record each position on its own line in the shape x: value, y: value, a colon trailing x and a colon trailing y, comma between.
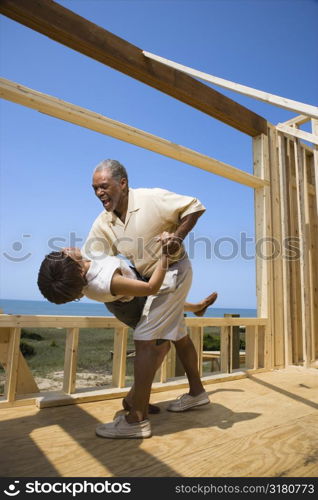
x: 26, y: 349
x: 211, y: 343
x: 95, y: 345
x: 25, y: 334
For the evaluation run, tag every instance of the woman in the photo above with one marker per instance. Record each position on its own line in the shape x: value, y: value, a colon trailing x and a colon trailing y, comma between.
x: 67, y: 275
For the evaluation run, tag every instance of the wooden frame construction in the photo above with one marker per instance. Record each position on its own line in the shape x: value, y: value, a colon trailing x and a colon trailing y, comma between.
x: 20, y: 394
x: 286, y: 220
x: 285, y: 184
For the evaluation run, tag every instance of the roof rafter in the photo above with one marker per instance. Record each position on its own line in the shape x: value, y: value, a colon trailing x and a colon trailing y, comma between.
x: 276, y: 100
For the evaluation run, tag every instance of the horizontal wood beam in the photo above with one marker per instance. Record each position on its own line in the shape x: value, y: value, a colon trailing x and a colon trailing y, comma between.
x: 295, y: 132
x: 80, y: 116
x: 76, y: 32
x: 39, y: 321
x: 297, y: 120
x: 282, y: 102
x: 57, y: 398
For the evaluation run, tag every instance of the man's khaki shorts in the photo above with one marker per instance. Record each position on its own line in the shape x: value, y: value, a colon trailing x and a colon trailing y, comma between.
x: 163, y: 313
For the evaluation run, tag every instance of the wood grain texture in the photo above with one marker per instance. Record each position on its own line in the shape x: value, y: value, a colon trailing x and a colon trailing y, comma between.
x: 238, y: 435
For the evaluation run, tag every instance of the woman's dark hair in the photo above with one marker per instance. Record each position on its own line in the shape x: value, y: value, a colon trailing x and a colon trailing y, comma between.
x: 60, y: 279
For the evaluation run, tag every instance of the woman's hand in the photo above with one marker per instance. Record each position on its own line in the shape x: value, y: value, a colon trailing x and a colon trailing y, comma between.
x: 73, y: 252
x: 170, y: 243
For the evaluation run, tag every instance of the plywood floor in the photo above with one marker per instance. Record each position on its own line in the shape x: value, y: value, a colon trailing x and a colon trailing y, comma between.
x: 265, y: 425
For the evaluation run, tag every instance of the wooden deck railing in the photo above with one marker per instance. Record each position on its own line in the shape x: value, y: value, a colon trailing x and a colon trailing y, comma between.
x: 21, y: 388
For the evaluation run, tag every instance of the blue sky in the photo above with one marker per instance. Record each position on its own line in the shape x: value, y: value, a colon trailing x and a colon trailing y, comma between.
x: 46, y: 164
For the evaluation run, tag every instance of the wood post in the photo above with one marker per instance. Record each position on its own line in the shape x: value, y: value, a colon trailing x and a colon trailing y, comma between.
x: 225, y: 349
x: 295, y: 291
x: 70, y: 360
x: 163, y: 371
x: 261, y: 346
x: 263, y: 237
x: 285, y: 231
x: 171, y: 362
x: 276, y: 259
x: 196, y: 335
x: 12, y: 364
x: 314, y: 124
x: 119, y: 358
x: 302, y: 209
x: 251, y: 347
x: 235, y: 343
x: 314, y: 238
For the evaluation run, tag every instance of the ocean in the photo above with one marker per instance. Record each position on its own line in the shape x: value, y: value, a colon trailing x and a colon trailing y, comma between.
x: 9, y: 306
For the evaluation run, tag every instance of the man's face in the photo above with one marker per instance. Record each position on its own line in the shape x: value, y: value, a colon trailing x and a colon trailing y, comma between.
x: 110, y: 192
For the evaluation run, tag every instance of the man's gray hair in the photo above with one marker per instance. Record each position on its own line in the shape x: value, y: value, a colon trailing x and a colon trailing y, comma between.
x: 118, y: 170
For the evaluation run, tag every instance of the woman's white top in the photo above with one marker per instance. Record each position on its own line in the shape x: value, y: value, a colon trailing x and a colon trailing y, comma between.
x: 99, y: 277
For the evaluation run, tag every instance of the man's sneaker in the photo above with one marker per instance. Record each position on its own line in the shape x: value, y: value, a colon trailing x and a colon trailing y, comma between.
x: 120, y: 428
x: 185, y: 402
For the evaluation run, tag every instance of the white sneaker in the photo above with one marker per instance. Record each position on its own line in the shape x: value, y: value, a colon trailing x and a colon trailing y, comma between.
x: 185, y: 402
x: 120, y: 428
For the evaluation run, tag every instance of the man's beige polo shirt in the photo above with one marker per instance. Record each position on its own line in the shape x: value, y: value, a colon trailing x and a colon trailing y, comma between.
x: 149, y: 213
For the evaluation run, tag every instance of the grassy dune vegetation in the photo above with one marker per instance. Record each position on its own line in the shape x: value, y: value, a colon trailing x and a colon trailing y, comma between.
x: 94, y: 352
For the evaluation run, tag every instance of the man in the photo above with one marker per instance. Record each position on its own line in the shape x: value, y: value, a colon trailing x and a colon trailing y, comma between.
x: 130, y: 225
